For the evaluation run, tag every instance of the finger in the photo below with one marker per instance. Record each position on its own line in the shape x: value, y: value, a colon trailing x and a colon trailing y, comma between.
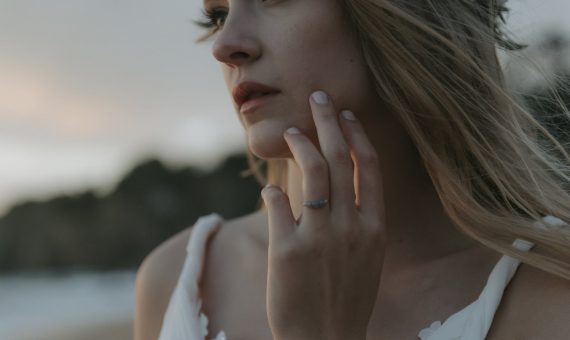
x: 280, y: 217
x: 335, y: 150
x: 368, y: 176
x: 315, y: 173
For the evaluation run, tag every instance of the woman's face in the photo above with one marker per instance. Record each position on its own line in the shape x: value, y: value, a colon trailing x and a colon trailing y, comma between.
x: 296, y: 47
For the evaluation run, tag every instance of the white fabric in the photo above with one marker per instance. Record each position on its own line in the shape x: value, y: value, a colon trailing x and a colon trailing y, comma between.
x: 185, y: 321
x: 474, y: 321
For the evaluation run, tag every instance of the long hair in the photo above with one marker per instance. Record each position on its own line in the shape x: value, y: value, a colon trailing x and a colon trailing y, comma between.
x: 497, y: 170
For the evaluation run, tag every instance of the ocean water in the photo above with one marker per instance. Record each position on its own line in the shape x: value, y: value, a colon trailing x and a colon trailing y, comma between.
x: 32, y: 305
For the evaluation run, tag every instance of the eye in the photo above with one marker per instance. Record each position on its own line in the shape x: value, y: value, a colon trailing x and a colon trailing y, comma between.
x: 213, y: 19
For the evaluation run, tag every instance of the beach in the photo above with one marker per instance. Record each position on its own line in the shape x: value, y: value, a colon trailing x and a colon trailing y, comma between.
x: 120, y: 330
x: 80, y: 306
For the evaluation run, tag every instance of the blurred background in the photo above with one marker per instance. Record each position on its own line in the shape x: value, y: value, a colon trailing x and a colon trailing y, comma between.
x: 117, y: 131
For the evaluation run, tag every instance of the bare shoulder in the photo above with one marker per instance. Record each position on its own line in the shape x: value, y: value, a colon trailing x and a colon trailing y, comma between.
x: 156, y: 279
x: 158, y: 274
x: 535, y: 305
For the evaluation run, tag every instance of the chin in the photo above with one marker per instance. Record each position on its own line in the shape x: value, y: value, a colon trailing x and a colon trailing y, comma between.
x: 267, y: 144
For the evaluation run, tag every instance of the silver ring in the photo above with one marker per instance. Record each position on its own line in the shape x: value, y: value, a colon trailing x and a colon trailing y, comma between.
x: 315, y: 204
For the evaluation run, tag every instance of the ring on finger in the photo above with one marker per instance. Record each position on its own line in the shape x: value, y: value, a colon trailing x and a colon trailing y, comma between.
x: 316, y: 204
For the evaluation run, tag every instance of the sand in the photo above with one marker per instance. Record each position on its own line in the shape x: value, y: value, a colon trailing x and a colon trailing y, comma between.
x: 121, y: 330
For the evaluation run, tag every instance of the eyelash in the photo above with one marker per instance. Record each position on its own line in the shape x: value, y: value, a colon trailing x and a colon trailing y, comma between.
x: 210, y: 19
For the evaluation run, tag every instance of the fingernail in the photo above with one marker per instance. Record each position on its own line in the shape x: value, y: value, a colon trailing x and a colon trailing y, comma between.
x: 320, y: 97
x: 348, y: 115
x: 265, y: 188
x: 293, y: 131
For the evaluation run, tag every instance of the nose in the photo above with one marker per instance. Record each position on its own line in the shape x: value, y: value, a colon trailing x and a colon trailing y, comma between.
x: 237, y: 42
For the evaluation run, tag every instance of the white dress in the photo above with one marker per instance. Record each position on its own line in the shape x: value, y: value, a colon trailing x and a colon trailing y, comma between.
x: 184, y: 319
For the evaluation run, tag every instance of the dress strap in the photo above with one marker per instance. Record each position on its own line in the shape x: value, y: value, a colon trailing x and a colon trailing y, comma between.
x: 183, y: 319
x: 474, y: 321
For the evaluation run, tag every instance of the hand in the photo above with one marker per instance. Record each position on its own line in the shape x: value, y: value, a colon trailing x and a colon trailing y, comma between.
x: 324, y: 271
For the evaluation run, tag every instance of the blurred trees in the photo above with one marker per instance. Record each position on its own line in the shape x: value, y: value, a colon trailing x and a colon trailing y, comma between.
x: 117, y: 230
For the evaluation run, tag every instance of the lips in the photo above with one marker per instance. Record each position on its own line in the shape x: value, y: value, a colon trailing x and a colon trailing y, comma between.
x: 249, y: 90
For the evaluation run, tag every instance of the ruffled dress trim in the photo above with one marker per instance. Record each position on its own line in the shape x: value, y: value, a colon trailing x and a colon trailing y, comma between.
x: 474, y: 321
x: 183, y: 319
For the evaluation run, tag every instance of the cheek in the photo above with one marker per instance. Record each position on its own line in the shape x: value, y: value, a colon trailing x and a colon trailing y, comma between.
x: 308, y: 52
x: 322, y: 54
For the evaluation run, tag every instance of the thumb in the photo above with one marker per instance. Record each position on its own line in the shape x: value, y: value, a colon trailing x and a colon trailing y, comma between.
x: 280, y: 217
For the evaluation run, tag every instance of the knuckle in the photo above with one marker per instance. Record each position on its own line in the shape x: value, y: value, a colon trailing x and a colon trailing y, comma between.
x: 348, y: 230
x: 375, y: 235
x: 369, y: 159
x: 313, y: 248
x: 327, y: 115
x: 341, y: 155
x: 316, y: 167
x: 287, y: 251
x: 300, y: 249
x: 348, y: 240
x: 314, y: 240
x: 344, y: 221
x: 352, y: 237
x: 275, y: 197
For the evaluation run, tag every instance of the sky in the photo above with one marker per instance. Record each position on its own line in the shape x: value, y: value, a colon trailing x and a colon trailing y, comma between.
x: 88, y: 89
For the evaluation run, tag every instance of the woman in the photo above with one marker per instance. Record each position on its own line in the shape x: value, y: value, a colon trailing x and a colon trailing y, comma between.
x: 406, y: 190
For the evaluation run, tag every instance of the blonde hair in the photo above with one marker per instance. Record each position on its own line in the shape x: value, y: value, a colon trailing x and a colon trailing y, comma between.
x: 496, y: 169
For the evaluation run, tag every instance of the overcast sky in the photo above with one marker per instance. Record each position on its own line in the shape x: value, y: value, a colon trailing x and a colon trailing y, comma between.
x: 90, y: 88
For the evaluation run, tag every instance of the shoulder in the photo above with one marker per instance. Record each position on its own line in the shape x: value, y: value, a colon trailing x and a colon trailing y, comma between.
x: 535, y: 305
x: 155, y: 281
x: 158, y: 273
